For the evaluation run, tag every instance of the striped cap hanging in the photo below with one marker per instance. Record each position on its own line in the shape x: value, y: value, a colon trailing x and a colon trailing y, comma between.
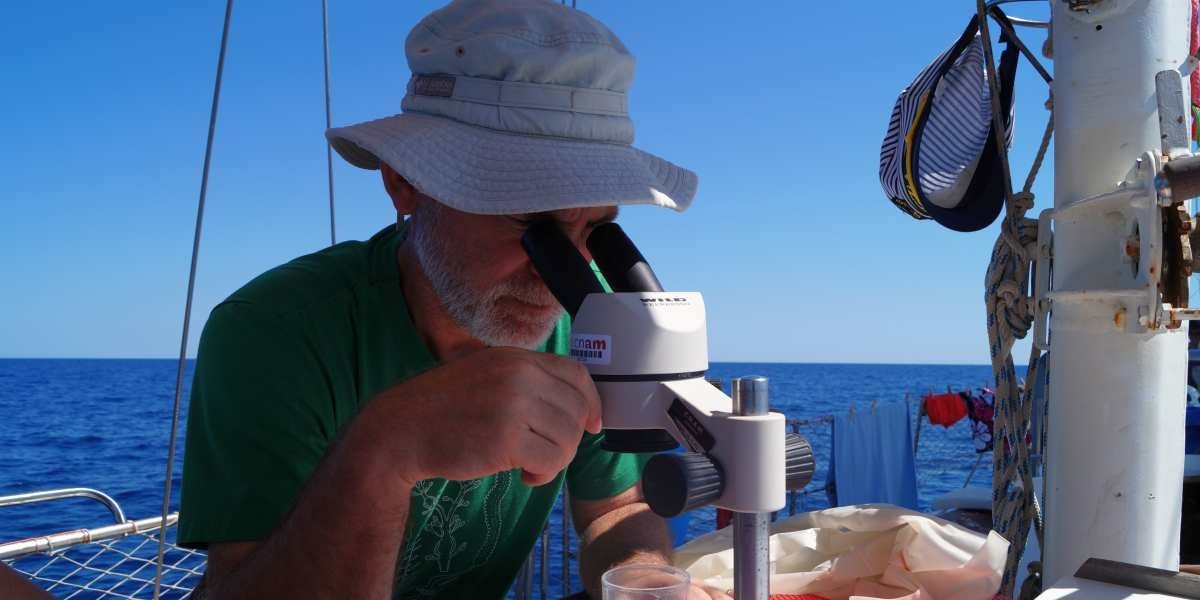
x: 939, y: 160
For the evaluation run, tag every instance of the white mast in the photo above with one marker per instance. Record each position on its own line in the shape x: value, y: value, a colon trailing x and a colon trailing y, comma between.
x: 1116, y: 426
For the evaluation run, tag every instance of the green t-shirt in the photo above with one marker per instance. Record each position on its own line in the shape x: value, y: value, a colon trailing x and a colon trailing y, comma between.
x: 288, y: 360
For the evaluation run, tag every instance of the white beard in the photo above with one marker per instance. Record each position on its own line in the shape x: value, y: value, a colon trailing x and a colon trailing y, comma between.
x: 477, y: 311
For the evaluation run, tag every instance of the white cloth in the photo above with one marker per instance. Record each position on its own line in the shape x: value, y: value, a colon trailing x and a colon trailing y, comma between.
x: 863, y: 552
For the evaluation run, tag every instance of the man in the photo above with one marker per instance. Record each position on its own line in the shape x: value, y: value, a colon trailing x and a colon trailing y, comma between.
x: 375, y: 419
x: 14, y: 586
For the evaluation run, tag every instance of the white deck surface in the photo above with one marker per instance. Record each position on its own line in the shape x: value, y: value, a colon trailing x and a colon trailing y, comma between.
x: 1085, y: 589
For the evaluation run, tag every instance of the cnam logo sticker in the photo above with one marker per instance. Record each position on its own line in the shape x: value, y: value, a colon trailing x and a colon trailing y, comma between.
x: 591, y: 349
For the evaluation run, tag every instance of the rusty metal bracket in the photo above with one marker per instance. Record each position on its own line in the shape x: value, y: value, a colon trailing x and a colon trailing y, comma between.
x: 1178, y: 181
x: 1138, y: 202
x: 1081, y: 5
x: 1157, y: 246
x: 1177, y: 262
x: 1041, y: 280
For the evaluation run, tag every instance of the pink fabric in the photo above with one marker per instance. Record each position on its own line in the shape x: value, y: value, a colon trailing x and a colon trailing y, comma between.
x: 1195, y: 74
x: 865, y: 552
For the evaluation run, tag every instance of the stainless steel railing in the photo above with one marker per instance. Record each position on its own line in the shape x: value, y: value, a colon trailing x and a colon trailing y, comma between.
x: 110, y: 561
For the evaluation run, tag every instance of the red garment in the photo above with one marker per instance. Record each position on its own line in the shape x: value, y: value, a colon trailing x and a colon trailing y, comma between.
x: 724, y: 518
x: 945, y: 409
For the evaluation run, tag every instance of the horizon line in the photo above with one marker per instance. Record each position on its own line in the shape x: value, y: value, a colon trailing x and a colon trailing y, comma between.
x: 740, y: 361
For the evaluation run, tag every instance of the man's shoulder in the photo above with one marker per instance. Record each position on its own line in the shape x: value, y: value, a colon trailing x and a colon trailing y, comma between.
x: 330, y: 276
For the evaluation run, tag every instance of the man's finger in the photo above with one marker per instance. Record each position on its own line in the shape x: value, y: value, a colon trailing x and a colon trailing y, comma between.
x: 577, y: 376
x: 704, y: 592
x: 557, y: 414
x: 564, y: 400
x: 595, y: 419
x: 535, y: 480
x: 539, y: 456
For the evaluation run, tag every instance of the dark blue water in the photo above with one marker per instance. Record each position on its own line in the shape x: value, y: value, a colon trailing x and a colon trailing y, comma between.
x: 105, y: 424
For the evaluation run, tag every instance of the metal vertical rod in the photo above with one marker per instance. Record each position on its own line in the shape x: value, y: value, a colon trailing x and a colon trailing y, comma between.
x: 971, y: 475
x: 751, y: 561
x: 920, y: 417
x: 1115, y: 446
x: 328, y: 119
x: 524, y: 583
x: 545, y: 574
x: 566, y: 542
x: 793, y: 495
x: 187, y: 308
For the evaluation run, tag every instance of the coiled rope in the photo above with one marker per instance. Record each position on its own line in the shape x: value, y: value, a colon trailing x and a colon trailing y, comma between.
x: 1011, y: 309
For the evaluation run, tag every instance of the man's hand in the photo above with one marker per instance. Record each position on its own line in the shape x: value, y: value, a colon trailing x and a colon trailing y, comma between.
x: 491, y: 411
x: 704, y: 592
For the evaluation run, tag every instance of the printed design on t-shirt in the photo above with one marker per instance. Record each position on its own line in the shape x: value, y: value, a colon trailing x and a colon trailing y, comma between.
x: 446, y: 521
x: 446, y: 514
x: 493, y: 518
x: 408, y: 566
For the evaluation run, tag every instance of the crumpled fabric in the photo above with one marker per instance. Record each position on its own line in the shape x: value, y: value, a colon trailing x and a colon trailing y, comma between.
x: 945, y: 409
x: 863, y: 552
x: 981, y: 409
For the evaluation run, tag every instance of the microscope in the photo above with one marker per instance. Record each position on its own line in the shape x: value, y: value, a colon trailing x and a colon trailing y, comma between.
x: 647, y: 352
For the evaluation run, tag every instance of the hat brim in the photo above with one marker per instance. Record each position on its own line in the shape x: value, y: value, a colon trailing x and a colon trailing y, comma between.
x: 484, y: 171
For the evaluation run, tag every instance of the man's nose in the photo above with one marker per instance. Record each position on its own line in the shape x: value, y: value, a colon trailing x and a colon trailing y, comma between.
x: 577, y: 230
x: 580, y: 241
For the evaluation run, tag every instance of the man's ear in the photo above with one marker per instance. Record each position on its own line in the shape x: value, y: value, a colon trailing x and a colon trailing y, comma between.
x: 404, y: 195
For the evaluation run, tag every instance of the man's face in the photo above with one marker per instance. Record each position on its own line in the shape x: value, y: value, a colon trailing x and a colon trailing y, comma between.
x: 480, y: 272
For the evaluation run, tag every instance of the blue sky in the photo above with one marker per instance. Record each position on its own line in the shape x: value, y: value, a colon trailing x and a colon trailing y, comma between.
x: 780, y: 107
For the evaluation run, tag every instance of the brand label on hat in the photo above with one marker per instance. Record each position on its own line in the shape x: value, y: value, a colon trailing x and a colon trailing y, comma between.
x: 434, y: 85
x: 591, y: 349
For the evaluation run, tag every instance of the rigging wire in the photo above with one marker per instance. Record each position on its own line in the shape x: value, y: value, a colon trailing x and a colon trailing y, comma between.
x: 1017, y: 21
x: 328, y: 119
x: 1012, y: 36
x: 1029, y: 23
x: 187, y: 311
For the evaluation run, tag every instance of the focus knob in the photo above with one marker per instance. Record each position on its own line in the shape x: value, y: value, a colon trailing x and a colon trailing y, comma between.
x: 800, y: 465
x: 676, y: 483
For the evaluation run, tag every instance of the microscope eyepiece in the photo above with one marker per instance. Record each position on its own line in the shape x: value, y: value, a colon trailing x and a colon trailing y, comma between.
x: 622, y: 264
x: 560, y: 265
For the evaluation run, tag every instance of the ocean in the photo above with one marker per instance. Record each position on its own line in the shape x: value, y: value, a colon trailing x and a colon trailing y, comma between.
x: 105, y: 424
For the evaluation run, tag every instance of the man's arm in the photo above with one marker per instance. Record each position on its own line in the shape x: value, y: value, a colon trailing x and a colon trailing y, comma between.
x: 15, y: 586
x: 616, y: 531
x: 492, y: 411
x: 340, y: 541
x: 623, y: 530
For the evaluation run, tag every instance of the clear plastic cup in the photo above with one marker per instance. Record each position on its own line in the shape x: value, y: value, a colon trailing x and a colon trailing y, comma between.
x: 646, y: 582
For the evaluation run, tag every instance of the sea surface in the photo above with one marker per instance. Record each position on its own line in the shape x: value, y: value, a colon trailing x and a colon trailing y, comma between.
x: 105, y: 424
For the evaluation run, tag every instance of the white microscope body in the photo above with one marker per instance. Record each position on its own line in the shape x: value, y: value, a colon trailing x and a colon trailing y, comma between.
x: 647, y: 353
